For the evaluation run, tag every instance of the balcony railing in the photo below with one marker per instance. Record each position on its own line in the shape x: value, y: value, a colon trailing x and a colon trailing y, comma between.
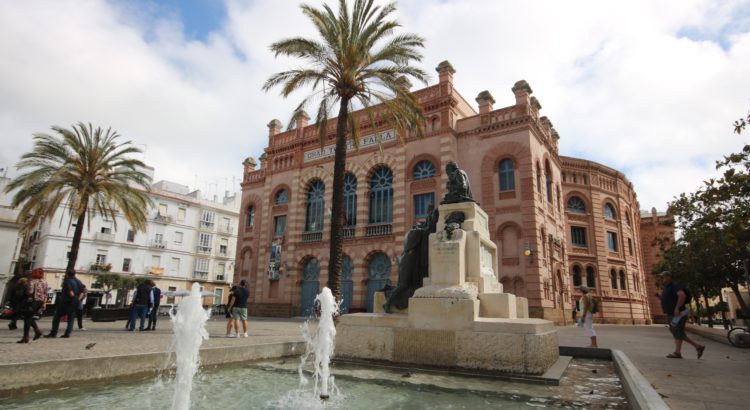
x: 312, y: 236
x: 200, y: 275
x: 158, y: 244
x: 106, y: 237
x: 379, y: 230
x: 207, y: 224
x: 204, y: 249
x: 227, y: 229
x: 349, y: 232
x: 165, y: 219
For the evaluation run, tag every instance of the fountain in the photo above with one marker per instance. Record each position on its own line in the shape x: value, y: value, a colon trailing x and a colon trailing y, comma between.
x: 321, y: 345
x: 189, y: 325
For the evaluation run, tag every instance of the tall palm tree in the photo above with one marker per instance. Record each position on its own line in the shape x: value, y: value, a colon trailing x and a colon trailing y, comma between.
x: 85, y: 169
x: 358, y: 62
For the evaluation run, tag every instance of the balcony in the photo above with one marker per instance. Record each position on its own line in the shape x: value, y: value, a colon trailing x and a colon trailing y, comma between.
x: 227, y: 229
x: 379, y: 229
x: 104, y: 237
x: 200, y: 275
x: 158, y: 244
x: 164, y: 219
x: 349, y: 232
x: 312, y: 237
x: 207, y: 225
x: 220, y: 278
x: 205, y: 250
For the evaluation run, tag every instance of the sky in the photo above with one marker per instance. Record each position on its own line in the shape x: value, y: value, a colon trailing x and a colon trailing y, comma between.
x: 650, y: 88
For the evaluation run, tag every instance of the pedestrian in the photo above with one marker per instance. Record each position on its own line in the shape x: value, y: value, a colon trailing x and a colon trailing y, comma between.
x: 81, y: 306
x: 228, y: 315
x: 36, y: 301
x: 239, y: 307
x: 156, y: 298
x: 66, y: 305
x: 673, y: 300
x: 16, y: 297
x: 587, y: 307
x: 142, y: 301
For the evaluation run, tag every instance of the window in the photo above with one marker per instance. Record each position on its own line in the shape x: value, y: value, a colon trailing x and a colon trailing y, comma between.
x: 181, y: 214
x: 282, y: 197
x: 174, y: 266
x: 630, y: 246
x: 170, y: 299
x: 155, y: 261
x: 106, y: 229
x: 578, y: 236
x: 131, y: 235
x: 590, y: 277
x: 250, y: 220
x: 162, y: 209
x: 538, y: 178
x: 178, y: 237
x: 623, y: 284
x: 218, y: 296
x: 612, y: 241
x: 126, y: 264
x: 208, y: 218
x: 576, y: 275
x: 350, y: 199
x: 609, y: 211
x: 613, y: 278
x: 548, y: 179
x: 101, y: 258
x: 381, y: 196
x: 627, y: 218
x: 576, y: 205
x: 423, y: 170
x: 422, y: 203
x: 315, y: 207
x: 226, y: 223
x: 279, y: 223
x: 158, y: 238
x: 204, y: 242
x: 507, y: 176
x: 201, y: 265
x: 223, y: 246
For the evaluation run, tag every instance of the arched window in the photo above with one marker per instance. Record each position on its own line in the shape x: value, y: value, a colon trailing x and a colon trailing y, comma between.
x: 623, y: 283
x: 282, y: 197
x: 548, y: 179
x: 627, y: 218
x: 250, y: 217
x: 576, y: 275
x: 350, y: 199
x: 590, y: 277
x: 609, y: 211
x: 576, y: 205
x: 423, y: 170
x: 613, y: 278
x: 538, y: 177
x: 315, y: 206
x: 381, y: 196
x: 507, y: 175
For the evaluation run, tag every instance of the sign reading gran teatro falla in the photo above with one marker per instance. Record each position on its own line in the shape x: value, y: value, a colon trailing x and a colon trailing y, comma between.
x: 364, y: 142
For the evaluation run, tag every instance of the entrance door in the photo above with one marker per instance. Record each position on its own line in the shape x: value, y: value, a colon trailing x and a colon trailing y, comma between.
x: 310, y: 286
x: 347, y: 285
x: 379, y: 272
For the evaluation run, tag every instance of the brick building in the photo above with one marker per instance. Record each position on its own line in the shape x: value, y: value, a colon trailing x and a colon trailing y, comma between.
x: 657, y: 231
x: 516, y: 173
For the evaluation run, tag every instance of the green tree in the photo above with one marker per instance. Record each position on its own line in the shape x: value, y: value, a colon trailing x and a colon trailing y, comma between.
x: 358, y: 62
x: 85, y: 169
x: 108, y: 281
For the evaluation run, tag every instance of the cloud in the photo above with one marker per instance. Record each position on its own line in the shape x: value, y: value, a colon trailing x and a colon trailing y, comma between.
x: 650, y: 88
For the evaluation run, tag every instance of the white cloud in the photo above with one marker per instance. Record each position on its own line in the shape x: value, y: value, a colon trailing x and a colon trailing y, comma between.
x: 650, y: 88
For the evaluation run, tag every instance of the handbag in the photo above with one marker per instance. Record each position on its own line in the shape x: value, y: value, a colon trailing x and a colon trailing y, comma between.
x: 7, y: 312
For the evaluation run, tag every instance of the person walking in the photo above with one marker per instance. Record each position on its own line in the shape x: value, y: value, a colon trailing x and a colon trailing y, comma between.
x: 239, y: 307
x: 673, y: 300
x: 82, y: 306
x: 66, y: 305
x: 37, y: 301
x: 230, y: 320
x: 586, y: 305
x: 156, y: 298
x: 142, y: 301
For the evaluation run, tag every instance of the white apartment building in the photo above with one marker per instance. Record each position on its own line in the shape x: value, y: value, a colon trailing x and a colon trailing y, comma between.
x: 10, y: 239
x: 188, y: 239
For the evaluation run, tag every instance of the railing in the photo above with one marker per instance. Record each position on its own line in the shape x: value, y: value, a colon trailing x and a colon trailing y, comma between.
x: 158, y: 244
x: 349, y: 232
x: 200, y: 275
x: 101, y: 236
x: 206, y: 224
x: 204, y: 249
x: 226, y: 229
x: 379, y: 230
x: 165, y: 219
x: 312, y: 236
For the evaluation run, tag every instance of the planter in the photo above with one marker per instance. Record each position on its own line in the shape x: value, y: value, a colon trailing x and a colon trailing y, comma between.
x: 110, y: 315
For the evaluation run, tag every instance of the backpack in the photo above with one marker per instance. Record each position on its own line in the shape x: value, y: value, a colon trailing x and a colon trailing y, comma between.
x: 593, y: 305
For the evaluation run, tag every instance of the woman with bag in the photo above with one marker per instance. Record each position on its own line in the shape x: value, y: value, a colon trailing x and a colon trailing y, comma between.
x: 36, y: 302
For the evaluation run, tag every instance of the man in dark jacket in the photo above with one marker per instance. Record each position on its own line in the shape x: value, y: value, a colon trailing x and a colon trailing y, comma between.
x: 142, y: 301
x: 67, y: 304
x: 673, y: 300
x: 156, y: 297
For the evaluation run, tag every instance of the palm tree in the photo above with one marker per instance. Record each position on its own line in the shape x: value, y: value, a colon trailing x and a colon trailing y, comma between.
x: 89, y: 171
x: 358, y: 61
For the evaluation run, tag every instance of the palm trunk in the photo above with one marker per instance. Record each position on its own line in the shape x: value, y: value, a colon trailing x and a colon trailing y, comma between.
x: 337, y: 211
x: 76, y: 242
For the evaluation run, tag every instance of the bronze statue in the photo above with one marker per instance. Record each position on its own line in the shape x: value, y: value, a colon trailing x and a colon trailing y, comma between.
x: 414, y: 264
x: 459, y: 189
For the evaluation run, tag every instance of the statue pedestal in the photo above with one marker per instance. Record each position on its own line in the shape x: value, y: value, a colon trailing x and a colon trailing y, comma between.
x: 460, y: 317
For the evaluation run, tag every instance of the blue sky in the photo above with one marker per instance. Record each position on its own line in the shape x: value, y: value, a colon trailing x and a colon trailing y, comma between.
x: 649, y: 88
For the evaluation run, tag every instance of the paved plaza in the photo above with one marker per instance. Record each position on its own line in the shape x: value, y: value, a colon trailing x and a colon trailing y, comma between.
x: 718, y: 381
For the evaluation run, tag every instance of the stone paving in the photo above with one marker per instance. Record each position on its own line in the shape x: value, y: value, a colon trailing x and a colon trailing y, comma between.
x: 719, y: 380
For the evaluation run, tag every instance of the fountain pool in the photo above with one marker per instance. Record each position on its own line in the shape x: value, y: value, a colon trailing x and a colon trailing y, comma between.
x: 274, y: 384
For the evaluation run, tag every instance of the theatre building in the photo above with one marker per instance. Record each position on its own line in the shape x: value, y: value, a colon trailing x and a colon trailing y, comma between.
x: 557, y: 222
